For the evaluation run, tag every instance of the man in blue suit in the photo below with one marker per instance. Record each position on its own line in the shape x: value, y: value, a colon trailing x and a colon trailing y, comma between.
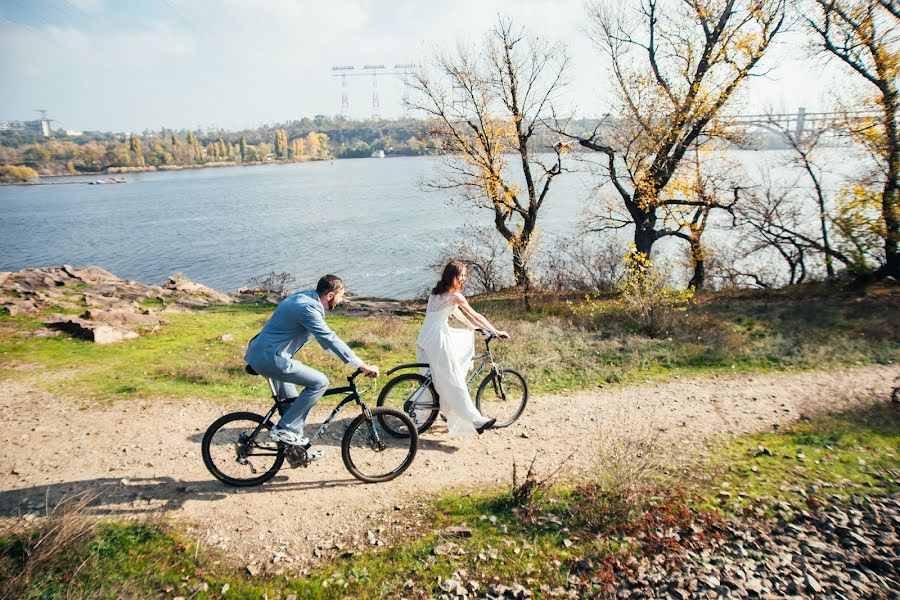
x: 297, y: 319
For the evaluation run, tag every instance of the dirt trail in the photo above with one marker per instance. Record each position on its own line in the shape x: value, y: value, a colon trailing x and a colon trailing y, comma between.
x: 144, y: 457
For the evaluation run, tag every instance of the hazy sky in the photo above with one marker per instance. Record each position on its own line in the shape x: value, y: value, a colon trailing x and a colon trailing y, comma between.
x: 144, y: 64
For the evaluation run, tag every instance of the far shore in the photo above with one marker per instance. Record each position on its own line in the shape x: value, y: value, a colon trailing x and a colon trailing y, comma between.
x: 151, y: 168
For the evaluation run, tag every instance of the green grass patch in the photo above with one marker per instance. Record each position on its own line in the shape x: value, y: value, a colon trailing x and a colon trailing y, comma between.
x: 566, y: 342
x: 856, y: 452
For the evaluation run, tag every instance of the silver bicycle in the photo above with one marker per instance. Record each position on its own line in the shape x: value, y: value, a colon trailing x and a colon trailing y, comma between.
x: 501, y: 395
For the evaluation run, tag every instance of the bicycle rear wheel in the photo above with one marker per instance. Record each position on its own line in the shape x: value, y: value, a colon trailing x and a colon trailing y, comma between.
x: 408, y: 393
x: 233, y: 458
x: 502, y: 395
x: 373, y: 455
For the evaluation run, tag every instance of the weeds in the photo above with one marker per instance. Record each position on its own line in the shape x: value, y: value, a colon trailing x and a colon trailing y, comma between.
x: 31, y: 556
x: 527, y: 491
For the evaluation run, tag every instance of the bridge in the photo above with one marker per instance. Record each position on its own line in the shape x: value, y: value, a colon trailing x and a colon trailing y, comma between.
x: 802, y: 121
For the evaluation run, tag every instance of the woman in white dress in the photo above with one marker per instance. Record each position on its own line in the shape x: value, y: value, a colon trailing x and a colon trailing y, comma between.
x: 448, y: 351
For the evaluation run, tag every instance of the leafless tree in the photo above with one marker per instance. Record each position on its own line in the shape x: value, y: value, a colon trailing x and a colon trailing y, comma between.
x: 804, y: 146
x: 484, y: 254
x: 578, y: 263
x: 485, y: 103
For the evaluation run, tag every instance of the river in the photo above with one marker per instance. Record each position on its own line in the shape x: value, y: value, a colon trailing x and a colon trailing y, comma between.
x: 367, y: 220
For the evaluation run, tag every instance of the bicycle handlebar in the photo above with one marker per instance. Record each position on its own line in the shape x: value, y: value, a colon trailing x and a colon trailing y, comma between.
x: 356, y: 374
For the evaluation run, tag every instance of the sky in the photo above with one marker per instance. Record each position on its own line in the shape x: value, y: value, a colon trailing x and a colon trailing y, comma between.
x: 106, y: 65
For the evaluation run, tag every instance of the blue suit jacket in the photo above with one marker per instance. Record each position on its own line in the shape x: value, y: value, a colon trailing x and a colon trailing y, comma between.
x: 297, y: 319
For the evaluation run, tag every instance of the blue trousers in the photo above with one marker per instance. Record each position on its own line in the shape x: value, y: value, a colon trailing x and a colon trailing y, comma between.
x: 286, y: 375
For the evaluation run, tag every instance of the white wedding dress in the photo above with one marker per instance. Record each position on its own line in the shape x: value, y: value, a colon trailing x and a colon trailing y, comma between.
x: 449, y: 352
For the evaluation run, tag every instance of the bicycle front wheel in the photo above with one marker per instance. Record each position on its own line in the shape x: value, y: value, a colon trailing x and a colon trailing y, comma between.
x: 236, y: 457
x: 371, y: 453
x: 502, y: 395
x: 409, y: 394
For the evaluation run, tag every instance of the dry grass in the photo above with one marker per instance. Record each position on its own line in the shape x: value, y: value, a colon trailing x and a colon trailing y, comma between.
x: 65, y: 526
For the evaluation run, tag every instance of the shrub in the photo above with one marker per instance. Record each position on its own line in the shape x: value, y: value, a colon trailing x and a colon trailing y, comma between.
x: 277, y: 283
x: 17, y: 173
x: 647, y: 297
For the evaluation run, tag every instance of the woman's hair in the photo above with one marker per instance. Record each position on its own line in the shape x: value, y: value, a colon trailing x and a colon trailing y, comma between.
x: 452, y: 270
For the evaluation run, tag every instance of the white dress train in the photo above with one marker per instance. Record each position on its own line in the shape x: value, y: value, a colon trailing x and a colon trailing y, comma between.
x: 449, y: 352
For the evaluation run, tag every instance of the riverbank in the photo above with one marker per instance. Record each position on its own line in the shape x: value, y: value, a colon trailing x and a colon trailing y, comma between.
x: 759, y: 414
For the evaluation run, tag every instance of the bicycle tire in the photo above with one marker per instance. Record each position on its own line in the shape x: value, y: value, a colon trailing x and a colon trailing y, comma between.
x: 490, y: 406
x: 215, y: 464
x: 421, y: 416
x: 396, y: 452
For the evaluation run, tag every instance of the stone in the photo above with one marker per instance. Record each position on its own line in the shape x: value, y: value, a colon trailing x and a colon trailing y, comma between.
x: 458, y: 532
x: 445, y: 549
x: 812, y: 584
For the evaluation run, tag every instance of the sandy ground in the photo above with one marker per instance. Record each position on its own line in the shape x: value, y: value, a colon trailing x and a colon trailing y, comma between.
x: 144, y: 457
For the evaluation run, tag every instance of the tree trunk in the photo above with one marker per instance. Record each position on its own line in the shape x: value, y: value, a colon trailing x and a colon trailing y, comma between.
x: 644, y: 234
x: 520, y: 270
x: 698, y: 279
x: 889, y: 207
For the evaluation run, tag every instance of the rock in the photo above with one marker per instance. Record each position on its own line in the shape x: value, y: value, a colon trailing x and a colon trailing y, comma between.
x: 811, y: 583
x: 206, y: 295
x: 445, y: 549
x: 99, y: 334
x: 458, y: 532
x: 454, y: 587
x: 253, y: 570
x: 754, y: 586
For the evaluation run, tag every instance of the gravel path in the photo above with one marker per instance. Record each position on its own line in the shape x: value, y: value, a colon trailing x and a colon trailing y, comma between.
x: 144, y: 456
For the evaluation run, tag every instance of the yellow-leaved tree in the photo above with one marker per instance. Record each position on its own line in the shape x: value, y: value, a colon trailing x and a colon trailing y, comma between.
x: 485, y: 104
x: 865, y: 36
x: 674, y: 66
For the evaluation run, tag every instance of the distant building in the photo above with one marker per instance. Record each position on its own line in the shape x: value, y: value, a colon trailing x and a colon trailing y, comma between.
x: 39, y: 127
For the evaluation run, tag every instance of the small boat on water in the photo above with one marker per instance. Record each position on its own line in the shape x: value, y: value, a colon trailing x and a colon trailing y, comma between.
x: 109, y: 180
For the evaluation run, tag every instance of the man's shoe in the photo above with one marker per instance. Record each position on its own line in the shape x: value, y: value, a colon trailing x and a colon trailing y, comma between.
x: 487, y: 425
x: 316, y: 454
x: 287, y: 437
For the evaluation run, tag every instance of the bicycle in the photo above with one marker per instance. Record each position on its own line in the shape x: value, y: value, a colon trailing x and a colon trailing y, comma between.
x: 502, y: 394
x: 239, y: 441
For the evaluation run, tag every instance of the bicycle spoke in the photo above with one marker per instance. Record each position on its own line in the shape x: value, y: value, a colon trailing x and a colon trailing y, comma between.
x: 236, y: 456
x: 502, y: 396
x: 372, y: 452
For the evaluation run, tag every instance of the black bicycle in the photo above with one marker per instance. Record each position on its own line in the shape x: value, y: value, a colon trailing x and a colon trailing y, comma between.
x: 236, y: 448
x: 502, y: 394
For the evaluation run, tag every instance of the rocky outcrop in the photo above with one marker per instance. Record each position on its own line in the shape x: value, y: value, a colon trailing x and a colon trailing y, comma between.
x: 95, y: 305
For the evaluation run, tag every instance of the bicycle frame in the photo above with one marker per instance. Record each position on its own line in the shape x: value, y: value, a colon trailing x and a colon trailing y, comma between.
x: 485, y: 358
x: 352, y: 396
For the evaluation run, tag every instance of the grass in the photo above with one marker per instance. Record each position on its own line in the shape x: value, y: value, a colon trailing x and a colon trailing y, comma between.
x: 196, y: 354
x: 577, y: 536
x: 565, y: 343
x: 835, y: 457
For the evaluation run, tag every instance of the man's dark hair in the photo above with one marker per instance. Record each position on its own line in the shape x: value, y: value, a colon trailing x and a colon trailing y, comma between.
x: 329, y: 283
